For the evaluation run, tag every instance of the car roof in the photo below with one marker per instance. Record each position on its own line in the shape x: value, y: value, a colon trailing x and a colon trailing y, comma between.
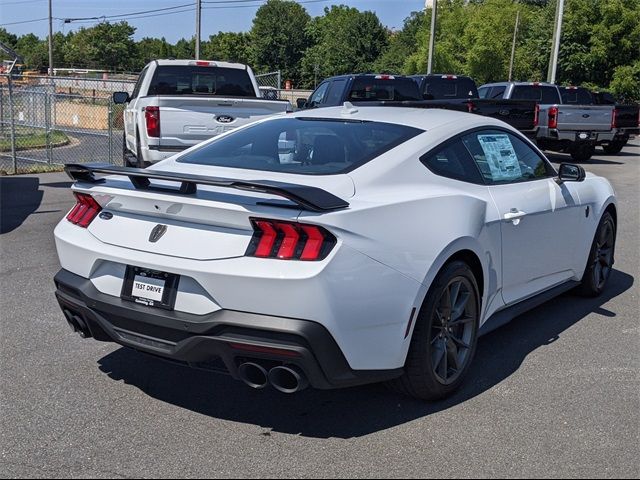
x: 181, y: 63
x: 365, y: 75
x: 423, y: 118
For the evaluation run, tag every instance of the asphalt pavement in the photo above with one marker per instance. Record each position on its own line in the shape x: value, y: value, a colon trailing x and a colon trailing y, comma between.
x: 554, y: 393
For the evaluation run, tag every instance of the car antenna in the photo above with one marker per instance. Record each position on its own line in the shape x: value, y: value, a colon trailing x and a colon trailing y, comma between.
x: 349, y: 109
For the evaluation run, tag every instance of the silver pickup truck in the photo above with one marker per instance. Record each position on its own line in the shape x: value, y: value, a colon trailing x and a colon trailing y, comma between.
x: 179, y: 103
x: 568, y: 121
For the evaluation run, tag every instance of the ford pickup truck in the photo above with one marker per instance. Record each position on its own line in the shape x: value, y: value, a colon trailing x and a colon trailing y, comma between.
x: 564, y: 126
x: 626, y: 121
x: 450, y: 92
x: 179, y: 103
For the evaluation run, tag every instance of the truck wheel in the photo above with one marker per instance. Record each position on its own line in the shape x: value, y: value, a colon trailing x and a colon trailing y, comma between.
x: 582, y: 152
x: 615, y: 147
x: 601, y: 258
x: 445, y: 336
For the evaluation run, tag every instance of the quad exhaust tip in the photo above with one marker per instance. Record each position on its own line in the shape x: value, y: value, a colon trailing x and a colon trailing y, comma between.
x: 284, y: 379
x: 288, y: 379
x: 253, y: 375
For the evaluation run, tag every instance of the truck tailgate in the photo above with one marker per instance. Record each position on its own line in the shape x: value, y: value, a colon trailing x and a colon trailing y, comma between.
x: 520, y: 114
x: 585, y: 117
x: 188, y: 120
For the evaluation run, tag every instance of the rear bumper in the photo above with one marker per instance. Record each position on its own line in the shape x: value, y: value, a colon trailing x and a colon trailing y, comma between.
x: 220, y: 341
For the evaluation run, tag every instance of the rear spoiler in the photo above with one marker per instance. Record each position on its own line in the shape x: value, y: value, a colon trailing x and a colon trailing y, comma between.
x: 307, y: 197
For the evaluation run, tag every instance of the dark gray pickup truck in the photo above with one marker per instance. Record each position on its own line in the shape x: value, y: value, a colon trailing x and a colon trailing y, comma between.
x: 625, y: 121
x: 450, y: 92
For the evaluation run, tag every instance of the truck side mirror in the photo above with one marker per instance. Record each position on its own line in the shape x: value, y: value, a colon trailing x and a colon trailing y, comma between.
x: 120, y: 98
x: 301, y: 103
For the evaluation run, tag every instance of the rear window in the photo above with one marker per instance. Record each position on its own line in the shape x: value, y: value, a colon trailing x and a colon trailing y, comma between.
x: 307, y: 146
x: 197, y: 80
x: 577, y: 96
x: 438, y: 88
x: 372, y: 89
x: 541, y: 94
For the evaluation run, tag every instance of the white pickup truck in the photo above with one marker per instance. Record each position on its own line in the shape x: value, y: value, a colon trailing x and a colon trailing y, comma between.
x: 179, y: 103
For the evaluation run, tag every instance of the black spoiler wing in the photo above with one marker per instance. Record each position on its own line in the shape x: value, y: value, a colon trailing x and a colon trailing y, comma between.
x: 307, y: 197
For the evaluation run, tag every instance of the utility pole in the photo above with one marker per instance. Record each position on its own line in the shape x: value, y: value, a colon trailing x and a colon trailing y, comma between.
x: 198, y: 14
x: 432, y: 36
x: 555, y: 50
x: 50, y: 40
x: 513, y: 47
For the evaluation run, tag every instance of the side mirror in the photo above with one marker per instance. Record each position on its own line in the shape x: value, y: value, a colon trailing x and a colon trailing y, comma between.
x: 301, y: 103
x: 571, y: 173
x: 120, y: 98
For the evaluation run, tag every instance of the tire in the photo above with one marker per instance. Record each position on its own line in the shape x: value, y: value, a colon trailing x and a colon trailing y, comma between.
x: 429, y: 374
x: 614, y: 147
x: 582, y: 153
x: 601, y: 258
x: 139, y: 159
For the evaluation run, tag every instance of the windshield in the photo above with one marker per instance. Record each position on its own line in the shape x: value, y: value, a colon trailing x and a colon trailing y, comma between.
x: 196, y: 80
x: 308, y: 146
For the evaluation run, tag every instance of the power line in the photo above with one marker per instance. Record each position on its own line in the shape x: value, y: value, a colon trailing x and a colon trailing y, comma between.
x: 262, y: 2
x: 24, y: 21
x: 124, y: 17
x: 21, y: 3
x: 130, y: 14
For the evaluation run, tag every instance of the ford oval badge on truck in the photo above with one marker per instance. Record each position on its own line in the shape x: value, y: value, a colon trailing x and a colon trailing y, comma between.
x: 224, y: 119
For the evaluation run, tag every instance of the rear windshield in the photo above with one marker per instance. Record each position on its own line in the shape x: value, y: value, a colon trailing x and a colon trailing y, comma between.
x: 438, y: 88
x: 307, y: 146
x: 205, y: 81
x: 372, y: 89
x: 577, y: 96
x: 538, y: 93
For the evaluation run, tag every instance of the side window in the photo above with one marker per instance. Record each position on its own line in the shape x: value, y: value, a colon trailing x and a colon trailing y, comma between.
x: 318, y: 96
x: 335, y: 92
x: 504, y: 158
x: 453, y: 161
x: 136, y: 89
x: 497, y: 92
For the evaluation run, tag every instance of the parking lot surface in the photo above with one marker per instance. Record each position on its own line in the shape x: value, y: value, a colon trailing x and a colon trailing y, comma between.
x: 554, y: 393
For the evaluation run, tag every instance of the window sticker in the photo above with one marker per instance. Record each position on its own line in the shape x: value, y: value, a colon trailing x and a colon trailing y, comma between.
x: 501, y: 157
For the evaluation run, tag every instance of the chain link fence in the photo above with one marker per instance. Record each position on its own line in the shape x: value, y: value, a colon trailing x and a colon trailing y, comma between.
x: 54, y: 120
x: 271, y: 87
x: 58, y: 120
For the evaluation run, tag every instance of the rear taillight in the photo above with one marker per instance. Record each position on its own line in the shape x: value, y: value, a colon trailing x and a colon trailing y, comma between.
x: 614, y: 118
x: 289, y: 240
x: 536, y: 116
x: 152, y: 118
x: 85, y: 210
x: 553, y: 117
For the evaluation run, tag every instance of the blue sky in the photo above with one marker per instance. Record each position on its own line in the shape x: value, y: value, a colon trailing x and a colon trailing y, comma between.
x: 181, y: 22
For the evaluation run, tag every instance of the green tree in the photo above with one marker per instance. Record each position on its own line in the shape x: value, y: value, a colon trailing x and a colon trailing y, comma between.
x: 152, y: 49
x: 279, y: 38
x: 626, y: 82
x: 346, y: 41
x: 105, y: 45
x: 185, y: 49
x: 228, y: 47
x: 402, y: 45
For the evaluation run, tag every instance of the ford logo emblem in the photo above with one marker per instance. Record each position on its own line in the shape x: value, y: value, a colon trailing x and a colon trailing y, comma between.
x: 224, y: 119
x: 106, y: 215
x: 586, y: 115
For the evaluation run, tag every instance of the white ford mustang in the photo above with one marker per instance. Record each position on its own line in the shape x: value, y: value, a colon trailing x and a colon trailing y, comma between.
x: 332, y: 248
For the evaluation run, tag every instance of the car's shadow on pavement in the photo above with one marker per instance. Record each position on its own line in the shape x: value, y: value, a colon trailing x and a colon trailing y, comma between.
x: 19, y: 198
x: 357, y: 411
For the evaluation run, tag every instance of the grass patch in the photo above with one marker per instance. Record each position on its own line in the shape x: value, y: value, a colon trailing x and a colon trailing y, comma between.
x: 30, y: 140
x: 32, y: 169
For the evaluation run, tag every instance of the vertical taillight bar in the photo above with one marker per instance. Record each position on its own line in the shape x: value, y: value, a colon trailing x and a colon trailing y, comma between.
x: 553, y: 117
x: 152, y: 119
x: 289, y: 240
